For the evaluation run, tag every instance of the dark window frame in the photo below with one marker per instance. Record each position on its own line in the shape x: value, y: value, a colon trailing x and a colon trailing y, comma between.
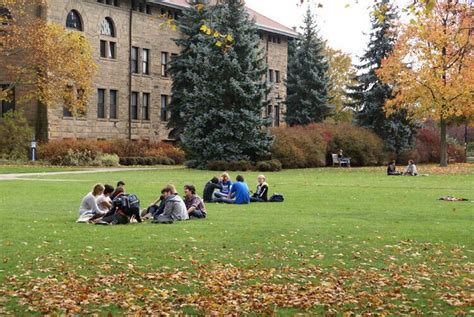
x: 113, y: 97
x: 146, y: 106
x: 164, y: 64
x: 134, y: 105
x: 101, y: 103
x: 134, y: 60
x: 164, y: 108
x: 146, y: 61
x: 74, y: 21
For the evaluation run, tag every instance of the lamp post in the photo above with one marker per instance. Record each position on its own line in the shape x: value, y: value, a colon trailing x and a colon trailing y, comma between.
x: 33, y: 149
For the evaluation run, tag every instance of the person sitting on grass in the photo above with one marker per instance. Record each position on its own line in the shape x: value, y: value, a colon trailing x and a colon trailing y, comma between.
x: 156, y: 209
x: 124, y: 209
x: 225, y: 185
x: 239, y: 193
x: 194, y: 203
x: 88, y: 207
x: 261, y: 195
x: 392, y: 169
x: 174, y: 207
x: 411, y: 169
x: 120, y: 189
x: 209, y: 189
x: 103, y: 201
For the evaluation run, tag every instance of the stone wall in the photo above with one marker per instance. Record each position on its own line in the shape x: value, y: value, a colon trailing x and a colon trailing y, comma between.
x: 113, y: 74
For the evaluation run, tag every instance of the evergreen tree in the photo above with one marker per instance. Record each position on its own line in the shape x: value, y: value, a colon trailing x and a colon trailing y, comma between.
x: 222, y: 104
x: 308, y: 82
x: 370, y: 94
x: 189, y: 66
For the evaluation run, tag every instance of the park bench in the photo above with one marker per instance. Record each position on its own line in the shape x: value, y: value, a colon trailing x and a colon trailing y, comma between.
x: 345, y: 161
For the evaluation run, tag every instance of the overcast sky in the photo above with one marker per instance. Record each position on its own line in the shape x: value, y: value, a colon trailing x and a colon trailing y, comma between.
x: 341, y: 22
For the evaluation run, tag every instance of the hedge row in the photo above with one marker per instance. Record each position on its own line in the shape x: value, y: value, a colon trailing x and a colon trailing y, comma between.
x: 263, y: 166
x: 88, y: 152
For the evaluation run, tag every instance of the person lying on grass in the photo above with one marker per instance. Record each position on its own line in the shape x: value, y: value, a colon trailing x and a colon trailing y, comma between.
x: 88, y: 207
x: 174, y: 207
x: 194, y: 203
x: 209, y: 189
x: 261, y: 195
x: 239, y: 193
x: 226, y: 185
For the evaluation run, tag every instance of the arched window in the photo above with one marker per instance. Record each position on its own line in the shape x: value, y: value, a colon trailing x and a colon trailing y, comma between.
x: 5, y: 16
x: 107, y: 27
x: 74, y: 20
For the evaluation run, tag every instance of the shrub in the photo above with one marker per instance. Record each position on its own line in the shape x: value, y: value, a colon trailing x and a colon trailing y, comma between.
x: 299, y: 147
x: 361, y: 145
x: 191, y: 164
x: 15, y: 136
x: 77, y: 158
x: 268, y: 166
x: 68, y: 152
x: 148, y: 160
x: 107, y: 160
x: 230, y: 166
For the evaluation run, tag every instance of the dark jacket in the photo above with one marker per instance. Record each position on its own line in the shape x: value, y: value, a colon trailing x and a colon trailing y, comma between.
x: 209, y: 190
x: 262, y: 192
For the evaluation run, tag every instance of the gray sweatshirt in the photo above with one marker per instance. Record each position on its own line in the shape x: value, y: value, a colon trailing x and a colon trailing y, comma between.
x: 175, y: 208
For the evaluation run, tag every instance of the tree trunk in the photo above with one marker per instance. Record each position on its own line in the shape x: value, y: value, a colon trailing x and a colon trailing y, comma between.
x: 443, y: 154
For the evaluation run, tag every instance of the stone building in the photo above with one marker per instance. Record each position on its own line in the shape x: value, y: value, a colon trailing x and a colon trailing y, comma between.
x: 132, y: 86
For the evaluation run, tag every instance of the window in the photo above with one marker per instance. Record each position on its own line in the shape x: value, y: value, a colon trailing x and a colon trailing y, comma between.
x: 113, y: 104
x: 278, y: 40
x: 67, y: 112
x: 134, y: 66
x: 146, y: 106
x: 5, y: 16
x: 101, y: 104
x: 74, y: 21
x: 277, y: 116
x: 148, y: 9
x: 146, y: 61
x: 112, y: 50
x: 110, y: 2
x: 107, y: 27
x: 164, y: 108
x: 277, y: 76
x: 270, y: 75
x: 269, y: 111
x: 141, y: 6
x: 9, y: 104
x: 134, y: 105
x: 164, y: 64
x: 103, y: 49
x: 260, y: 34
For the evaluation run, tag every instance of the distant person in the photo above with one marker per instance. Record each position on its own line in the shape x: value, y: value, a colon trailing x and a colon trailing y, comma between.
x: 174, y: 207
x: 340, y: 155
x: 239, y: 193
x: 342, y: 159
x: 392, y: 169
x: 120, y: 189
x: 194, y: 204
x: 209, y: 189
x: 261, y: 195
x: 88, y: 207
x: 225, y: 185
x: 411, y: 169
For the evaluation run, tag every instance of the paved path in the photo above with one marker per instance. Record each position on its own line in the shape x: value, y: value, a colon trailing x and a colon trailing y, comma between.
x: 28, y: 176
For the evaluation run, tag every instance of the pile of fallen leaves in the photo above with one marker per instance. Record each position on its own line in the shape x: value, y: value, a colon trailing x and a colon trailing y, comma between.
x: 437, y: 282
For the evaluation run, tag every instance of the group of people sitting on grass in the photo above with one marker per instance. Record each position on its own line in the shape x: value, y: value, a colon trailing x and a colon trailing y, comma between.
x: 409, y: 171
x: 106, y: 205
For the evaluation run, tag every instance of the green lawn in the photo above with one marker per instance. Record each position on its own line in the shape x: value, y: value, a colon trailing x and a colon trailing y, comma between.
x: 344, y: 240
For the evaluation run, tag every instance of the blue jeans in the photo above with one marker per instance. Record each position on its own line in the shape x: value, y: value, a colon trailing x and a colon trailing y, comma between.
x: 225, y: 200
x: 220, y: 194
x: 155, y: 210
x: 197, y: 214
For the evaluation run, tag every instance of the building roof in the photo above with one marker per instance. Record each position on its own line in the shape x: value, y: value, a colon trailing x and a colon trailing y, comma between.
x: 264, y: 23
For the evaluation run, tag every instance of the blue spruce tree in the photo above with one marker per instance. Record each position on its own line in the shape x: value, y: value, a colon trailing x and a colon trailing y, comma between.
x: 222, y: 104
x: 370, y: 94
x: 308, y: 80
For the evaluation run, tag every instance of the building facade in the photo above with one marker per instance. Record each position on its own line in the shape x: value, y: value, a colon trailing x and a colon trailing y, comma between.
x: 132, y: 87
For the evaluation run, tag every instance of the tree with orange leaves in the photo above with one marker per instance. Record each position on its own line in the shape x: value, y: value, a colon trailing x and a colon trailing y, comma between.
x: 432, y: 67
x: 56, y: 64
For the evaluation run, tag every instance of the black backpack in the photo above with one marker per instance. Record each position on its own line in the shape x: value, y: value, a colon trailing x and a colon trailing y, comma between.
x: 128, y: 203
x: 277, y: 198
